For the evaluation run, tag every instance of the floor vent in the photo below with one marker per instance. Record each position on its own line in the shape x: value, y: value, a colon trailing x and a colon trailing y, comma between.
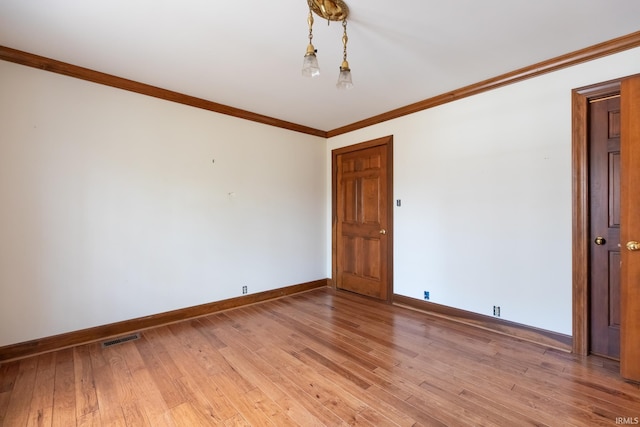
x: 120, y: 340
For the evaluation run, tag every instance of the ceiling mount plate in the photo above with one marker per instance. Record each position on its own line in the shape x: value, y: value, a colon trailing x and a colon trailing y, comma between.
x: 332, y: 10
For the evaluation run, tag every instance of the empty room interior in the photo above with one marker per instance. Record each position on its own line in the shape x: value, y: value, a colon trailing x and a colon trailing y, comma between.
x: 319, y: 213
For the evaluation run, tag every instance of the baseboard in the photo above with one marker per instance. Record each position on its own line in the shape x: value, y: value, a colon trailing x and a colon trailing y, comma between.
x: 98, y: 333
x: 505, y: 327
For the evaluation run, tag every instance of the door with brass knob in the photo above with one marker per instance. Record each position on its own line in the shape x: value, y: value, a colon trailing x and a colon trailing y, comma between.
x: 363, y: 218
x: 630, y: 232
x: 613, y: 193
x: 604, y: 253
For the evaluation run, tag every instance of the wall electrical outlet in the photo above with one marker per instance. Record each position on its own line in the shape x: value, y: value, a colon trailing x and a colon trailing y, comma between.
x: 244, y: 290
x: 496, y: 310
x: 426, y: 295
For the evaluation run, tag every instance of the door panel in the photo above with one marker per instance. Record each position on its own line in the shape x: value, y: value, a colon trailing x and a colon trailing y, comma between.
x: 349, y: 200
x: 362, y: 218
x: 604, y: 177
x: 630, y: 231
x: 371, y: 193
x: 614, y: 291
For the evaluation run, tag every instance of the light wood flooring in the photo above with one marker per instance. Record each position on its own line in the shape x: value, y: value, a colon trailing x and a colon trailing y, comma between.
x: 312, y: 359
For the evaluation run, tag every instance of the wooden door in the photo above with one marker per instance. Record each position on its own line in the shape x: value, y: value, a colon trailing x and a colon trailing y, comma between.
x: 604, y: 209
x: 630, y: 231
x: 363, y: 212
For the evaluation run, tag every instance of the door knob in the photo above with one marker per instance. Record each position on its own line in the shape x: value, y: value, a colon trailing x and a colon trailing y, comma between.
x: 633, y: 246
x: 600, y: 241
x: 383, y: 231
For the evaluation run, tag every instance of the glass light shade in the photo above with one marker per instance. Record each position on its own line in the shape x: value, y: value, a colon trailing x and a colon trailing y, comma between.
x: 344, y: 79
x: 310, y: 66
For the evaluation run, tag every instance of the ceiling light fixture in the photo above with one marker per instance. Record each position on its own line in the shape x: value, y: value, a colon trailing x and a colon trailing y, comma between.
x: 331, y: 10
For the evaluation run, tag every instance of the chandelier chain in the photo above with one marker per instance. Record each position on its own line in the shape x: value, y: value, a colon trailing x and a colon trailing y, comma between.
x: 310, y: 22
x: 345, y: 39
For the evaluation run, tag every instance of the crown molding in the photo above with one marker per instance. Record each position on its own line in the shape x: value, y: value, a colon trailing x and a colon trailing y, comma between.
x: 577, y: 57
x: 59, y: 67
x: 600, y: 50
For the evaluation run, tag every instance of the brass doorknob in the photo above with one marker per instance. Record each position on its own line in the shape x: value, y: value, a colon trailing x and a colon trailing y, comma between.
x: 600, y: 240
x: 633, y: 246
x: 383, y: 231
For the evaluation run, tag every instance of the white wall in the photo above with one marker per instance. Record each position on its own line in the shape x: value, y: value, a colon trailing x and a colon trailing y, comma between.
x: 485, y: 184
x: 111, y: 207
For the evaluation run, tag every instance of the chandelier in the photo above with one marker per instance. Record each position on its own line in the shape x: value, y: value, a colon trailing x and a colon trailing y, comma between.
x: 331, y: 10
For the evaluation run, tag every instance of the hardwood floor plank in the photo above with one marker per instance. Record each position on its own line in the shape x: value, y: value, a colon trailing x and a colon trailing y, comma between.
x: 233, y: 331
x: 110, y: 409
x: 522, y: 399
x: 275, y: 333
x: 325, y: 341
x: 41, y: 408
x: 144, y: 387
x: 206, y: 355
x: 433, y: 400
x: 465, y: 375
x: 205, y: 397
x: 195, y: 381
x: 388, y: 412
x: 17, y: 412
x: 256, y: 374
x: 380, y: 341
x: 237, y: 421
x: 92, y: 419
x: 4, y: 404
x: 586, y: 398
x: 345, y: 380
x: 243, y: 400
x: 8, y: 373
x: 134, y: 415
x: 122, y: 383
x: 467, y: 414
x: 269, y: 408
x: 207, y: 327
x: 321, y: 358
x: 329, y: 365
x: 64, y: 394
x: 86, y: 397
x: 162, y: 370
x: 269, y: 365
x: 185, y: 414
x: 512, y: 416
x: 339, y: 401
x: 554, y: 409
x: 421, y: 415
x: 373, y: 418
x: 375, y: 378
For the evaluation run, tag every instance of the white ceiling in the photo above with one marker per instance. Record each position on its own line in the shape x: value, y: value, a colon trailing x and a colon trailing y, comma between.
x: 248, y: 54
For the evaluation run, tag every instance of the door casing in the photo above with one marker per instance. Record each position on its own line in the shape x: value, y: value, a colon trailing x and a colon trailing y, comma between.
x: 388, y: 142
x: 580, y: 203
x: 580, y: 195
x: 604, y: 215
